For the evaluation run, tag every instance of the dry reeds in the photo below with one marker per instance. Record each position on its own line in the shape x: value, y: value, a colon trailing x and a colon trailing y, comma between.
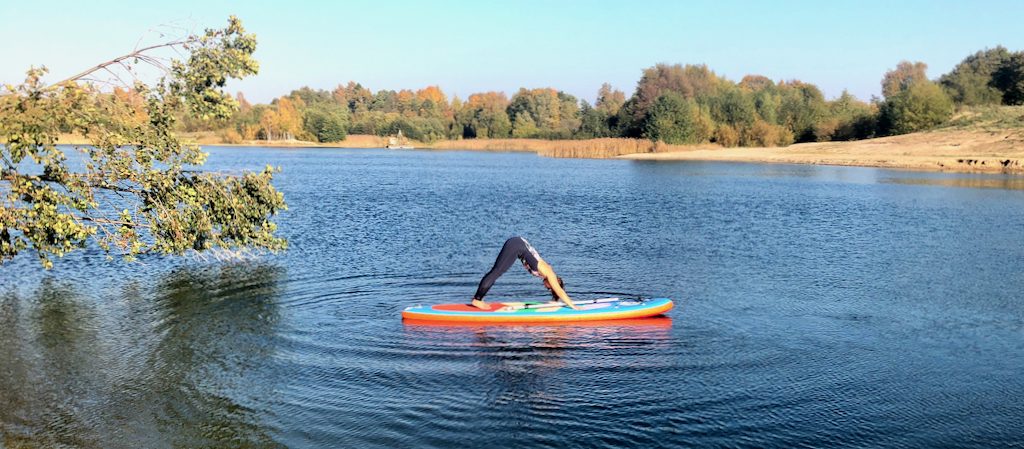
x: 591, y: 148
x: 584, y: 149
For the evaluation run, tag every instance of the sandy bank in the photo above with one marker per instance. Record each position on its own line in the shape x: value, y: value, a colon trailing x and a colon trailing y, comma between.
x: 995, y: 151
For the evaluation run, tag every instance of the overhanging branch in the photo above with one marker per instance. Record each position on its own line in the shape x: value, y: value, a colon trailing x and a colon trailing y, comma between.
x: 118, y: 60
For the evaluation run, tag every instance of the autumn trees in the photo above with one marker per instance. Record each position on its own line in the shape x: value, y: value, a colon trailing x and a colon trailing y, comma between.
x: 692, y: 104
x: 543, y: 113
x: 484, y: 116
x: 912, y: 101
x: 674, y: 103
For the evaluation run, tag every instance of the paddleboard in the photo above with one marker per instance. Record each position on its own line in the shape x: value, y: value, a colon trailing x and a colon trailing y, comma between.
x: 540, y: 312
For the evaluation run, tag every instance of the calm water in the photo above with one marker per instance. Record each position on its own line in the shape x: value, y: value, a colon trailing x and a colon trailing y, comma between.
x: 816, y: 306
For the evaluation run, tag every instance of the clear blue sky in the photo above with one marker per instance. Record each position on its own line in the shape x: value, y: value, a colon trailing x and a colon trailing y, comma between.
x: 473, y: 46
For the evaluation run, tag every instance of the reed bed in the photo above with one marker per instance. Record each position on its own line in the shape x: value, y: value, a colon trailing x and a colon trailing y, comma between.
x: 591, y: 149
x: 584, y: 149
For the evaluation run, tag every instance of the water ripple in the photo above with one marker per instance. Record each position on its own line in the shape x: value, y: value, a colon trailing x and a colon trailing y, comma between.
x: 816, y: 307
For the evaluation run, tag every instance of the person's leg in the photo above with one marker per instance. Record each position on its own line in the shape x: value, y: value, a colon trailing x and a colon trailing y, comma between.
x: 509, y: 253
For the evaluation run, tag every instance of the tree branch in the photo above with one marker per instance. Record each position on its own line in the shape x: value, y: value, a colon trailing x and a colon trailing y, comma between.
x: 118, y: 59
x: 10, y: 175
x: 108, y: 221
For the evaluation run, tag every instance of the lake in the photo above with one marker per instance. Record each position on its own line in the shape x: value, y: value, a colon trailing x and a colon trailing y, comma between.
x: 815, y: 306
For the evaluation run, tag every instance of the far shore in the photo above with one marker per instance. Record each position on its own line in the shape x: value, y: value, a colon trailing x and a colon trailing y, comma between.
x: 996, y: 150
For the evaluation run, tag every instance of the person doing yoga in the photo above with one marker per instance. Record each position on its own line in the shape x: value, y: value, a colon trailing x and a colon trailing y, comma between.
x: 519, y: 248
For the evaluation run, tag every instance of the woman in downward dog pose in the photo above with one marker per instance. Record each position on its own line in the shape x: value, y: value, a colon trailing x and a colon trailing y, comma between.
x: 519, y: 248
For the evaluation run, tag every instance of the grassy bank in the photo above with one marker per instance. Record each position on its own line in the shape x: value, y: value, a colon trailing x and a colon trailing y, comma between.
x: 989, y: 140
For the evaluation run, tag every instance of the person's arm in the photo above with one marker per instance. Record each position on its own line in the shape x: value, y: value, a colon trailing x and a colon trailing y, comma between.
x: 552, y: 278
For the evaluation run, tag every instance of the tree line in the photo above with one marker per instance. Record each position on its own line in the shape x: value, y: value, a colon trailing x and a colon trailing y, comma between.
x: 676, y: 104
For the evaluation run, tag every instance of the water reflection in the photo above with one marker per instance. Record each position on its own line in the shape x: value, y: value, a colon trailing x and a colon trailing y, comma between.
x: 515, y: 357
x: 184, y: 364
x: 49, y: 351
x: 530, y: 376
x: 1002, y: 182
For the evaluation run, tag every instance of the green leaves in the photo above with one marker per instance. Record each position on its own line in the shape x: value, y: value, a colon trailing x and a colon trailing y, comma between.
x: 1009, y: 79
x: 136, y: 189
x: 214, y: 57
x: 675, y: 120
x: 922, y: 105
x: 912, y: 102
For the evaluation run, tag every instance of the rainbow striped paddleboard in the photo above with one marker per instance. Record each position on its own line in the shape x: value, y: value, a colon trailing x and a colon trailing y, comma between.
x: 540, y: 312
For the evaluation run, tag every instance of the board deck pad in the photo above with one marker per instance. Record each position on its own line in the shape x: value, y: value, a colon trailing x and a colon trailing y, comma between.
x: 523, y: 312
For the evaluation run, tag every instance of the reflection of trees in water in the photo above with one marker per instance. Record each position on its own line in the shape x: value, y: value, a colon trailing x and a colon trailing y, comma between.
x: 187, y: 364
x: 48, y: 351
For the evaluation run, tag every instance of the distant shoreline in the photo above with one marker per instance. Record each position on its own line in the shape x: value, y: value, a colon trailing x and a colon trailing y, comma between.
x: 946, y: 150
x: 999, y: 151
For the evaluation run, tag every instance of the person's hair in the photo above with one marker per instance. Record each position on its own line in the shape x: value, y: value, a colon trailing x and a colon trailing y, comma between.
x: 561, y: 283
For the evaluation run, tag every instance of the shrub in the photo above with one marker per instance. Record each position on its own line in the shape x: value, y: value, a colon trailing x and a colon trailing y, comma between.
x: 229, y: 135
x: 764, y: 134
x: 727, y: 136
x: 921, y: 106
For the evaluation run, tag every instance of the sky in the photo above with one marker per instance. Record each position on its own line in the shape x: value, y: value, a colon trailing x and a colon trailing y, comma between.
x: 474, y: 46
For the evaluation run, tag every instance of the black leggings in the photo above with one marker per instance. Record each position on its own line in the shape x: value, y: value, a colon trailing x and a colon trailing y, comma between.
x: 514, y: 248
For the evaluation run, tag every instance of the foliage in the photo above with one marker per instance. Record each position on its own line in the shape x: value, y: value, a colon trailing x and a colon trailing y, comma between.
x: 674, y: 119
x: 690, y: 81
x: 136, y: 189
x: 900, y: 78
x: 731, y: 105
x: 484, y: 116
x: 755, y: 111
x: 601, y: 120
x: 912, y: 102
x: 593, y: 123
x: 354, y: 96
x: 970, y: 83
x: 326, y: 123
x: 285, y: 121
x: 921, y: 105
x: 756, y: 83
x: 609, y: 100
x: 801, y: 107
x: 323, y: 118
x: 764, y: 134
x: 423, y: 129
x: 726, y: 136
x: 847, y: 119
x: 1009, y: 79
x: 543, y: 113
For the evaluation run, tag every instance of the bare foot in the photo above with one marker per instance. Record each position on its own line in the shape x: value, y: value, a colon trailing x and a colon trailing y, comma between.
x: 480, y: 304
